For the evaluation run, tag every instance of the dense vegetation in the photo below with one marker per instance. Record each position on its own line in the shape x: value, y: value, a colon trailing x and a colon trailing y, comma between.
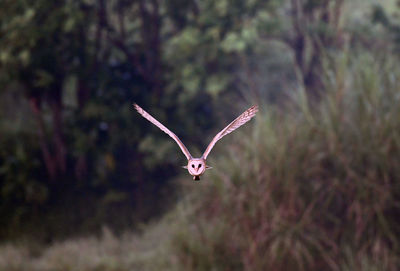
x: 311, y: 184
x: 314, y: 189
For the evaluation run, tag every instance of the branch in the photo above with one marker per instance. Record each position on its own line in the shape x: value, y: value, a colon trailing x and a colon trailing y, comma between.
x: 47, y: 157
x: 58, y: 138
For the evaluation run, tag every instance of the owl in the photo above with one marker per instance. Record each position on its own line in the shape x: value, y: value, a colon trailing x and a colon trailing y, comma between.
x: 197, y: 166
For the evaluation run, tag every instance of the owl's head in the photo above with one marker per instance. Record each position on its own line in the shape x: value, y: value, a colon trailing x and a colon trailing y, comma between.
x: 196, y: 166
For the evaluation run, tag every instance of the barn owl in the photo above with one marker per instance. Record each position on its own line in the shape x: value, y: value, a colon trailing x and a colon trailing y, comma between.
x: 197, y: 166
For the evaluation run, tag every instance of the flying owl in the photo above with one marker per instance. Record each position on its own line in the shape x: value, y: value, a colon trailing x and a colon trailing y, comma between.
x: 197, y: 166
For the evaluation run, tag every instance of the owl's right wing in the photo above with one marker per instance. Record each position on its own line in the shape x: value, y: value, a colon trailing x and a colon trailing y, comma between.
x: 164, y: 129
x: 239, y: 121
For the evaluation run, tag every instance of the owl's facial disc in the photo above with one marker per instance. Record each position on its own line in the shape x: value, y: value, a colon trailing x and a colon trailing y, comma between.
x: 196, y: 167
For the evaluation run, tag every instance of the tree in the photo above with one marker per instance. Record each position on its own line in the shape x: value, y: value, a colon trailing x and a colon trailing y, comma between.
x: 80, y: 65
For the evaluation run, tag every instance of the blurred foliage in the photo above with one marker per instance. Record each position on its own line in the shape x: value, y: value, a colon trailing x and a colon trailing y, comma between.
x: 74, y: 68
x: 74, y: 155
x: 305, y: 187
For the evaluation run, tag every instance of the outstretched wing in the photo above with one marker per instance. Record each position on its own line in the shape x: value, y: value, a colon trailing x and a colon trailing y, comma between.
x: 164, y: 129
x: 239, y: 121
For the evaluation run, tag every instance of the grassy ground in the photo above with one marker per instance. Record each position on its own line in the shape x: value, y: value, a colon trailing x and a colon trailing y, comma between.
x: 130, y: 251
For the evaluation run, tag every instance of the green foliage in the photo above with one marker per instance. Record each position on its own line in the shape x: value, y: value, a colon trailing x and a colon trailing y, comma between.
x: 84, y: 141
x: 211, y: 46
x: 76, y: 71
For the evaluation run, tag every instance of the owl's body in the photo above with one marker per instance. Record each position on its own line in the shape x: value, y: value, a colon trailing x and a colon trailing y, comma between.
x: 197, y: 166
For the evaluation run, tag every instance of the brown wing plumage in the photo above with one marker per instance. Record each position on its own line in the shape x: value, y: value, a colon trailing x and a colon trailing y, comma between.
x: 239, y: 121
x: 164, y: 129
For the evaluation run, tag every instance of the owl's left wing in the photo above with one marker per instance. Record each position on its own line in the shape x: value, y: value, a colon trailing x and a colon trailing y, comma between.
x: 164, y: 129
x: 239, y: 121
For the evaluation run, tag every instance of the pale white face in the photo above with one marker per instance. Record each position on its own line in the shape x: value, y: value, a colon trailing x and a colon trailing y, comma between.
x: 196, y: 167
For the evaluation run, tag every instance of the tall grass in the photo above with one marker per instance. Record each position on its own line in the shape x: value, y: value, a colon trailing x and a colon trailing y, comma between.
x: 308, y: 187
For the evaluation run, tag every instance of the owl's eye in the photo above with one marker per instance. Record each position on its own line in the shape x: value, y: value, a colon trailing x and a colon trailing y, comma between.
x: 192, y: 165
x: 200, y: 166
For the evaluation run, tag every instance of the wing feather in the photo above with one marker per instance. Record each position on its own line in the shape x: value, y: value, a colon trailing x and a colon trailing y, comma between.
x: 164, y: 129
x: 239, y: 121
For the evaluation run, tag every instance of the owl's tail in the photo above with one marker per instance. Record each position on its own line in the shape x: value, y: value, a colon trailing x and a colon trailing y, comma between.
x: 196, y: 178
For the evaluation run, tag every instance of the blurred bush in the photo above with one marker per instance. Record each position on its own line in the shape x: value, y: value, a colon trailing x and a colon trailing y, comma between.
x: 306, y: 188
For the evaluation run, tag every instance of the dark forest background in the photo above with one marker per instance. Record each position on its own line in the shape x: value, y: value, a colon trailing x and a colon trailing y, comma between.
x: 311, y: 184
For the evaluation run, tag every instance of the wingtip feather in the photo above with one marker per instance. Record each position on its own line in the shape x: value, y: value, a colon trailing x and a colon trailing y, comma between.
x: 254, y: 108
x: 138, y: 108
